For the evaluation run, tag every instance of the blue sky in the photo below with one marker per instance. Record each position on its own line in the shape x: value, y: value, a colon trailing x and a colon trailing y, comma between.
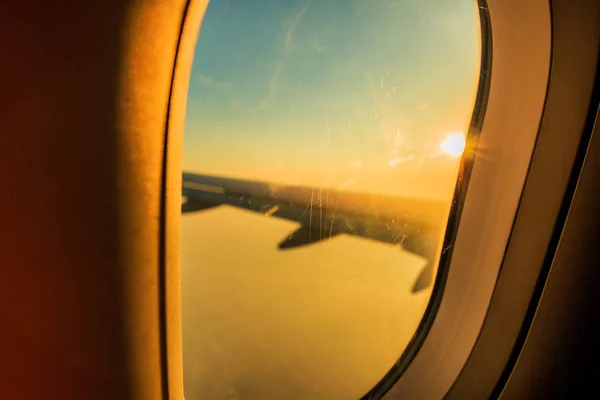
x: 330, y: 92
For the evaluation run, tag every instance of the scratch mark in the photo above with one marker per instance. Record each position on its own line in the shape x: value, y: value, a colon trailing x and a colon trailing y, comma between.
x: 332, y: 219
x: 272, y: 210
x: 312, y: 193
x: 304, y: 212
x: 289, y: 34
x: 273, y: 84
x: 401, y: 232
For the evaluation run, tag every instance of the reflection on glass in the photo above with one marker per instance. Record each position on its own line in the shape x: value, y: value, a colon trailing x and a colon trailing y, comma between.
x: 322, y: 146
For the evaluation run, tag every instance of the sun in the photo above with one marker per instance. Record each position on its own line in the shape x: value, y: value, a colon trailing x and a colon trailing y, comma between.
x: 454, y: 144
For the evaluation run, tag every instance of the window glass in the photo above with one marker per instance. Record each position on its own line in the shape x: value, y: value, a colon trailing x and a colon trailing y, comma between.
x: 321, y: 151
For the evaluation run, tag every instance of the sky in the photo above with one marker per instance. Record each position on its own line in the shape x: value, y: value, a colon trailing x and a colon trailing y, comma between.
x: 351, y: 94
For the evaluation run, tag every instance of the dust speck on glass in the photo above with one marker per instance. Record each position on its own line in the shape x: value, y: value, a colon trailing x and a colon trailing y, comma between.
x: 321, y: 150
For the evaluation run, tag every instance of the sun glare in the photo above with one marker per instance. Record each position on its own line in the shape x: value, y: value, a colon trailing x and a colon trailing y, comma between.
x: 454, y: 144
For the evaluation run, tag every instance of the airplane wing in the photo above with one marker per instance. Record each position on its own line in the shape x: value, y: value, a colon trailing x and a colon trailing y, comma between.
x: 416, y: 225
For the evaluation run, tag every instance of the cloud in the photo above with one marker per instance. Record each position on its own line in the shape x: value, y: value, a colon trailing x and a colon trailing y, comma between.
x: 210, y: 82
x: 235, y: 103
x: 318, y: 46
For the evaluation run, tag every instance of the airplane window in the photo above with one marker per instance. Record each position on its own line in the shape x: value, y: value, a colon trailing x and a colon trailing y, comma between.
x: 322, y: 147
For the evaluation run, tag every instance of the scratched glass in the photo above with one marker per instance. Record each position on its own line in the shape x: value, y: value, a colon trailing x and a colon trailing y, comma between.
x: 322, y: 147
